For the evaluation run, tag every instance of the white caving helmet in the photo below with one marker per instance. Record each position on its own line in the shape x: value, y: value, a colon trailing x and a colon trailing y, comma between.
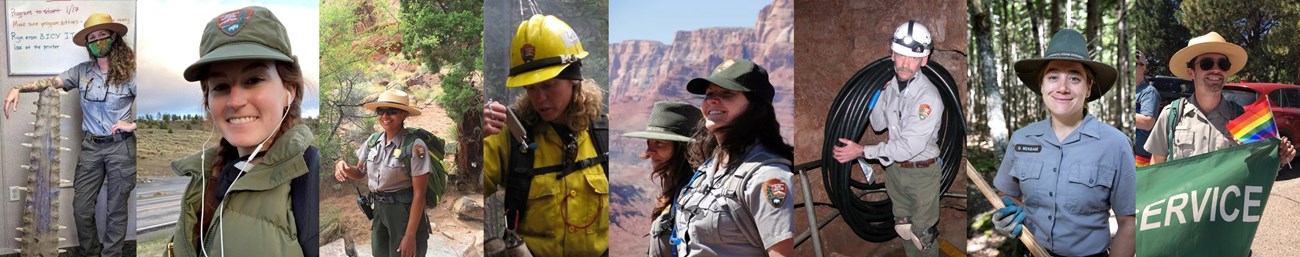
x: 912, y: 39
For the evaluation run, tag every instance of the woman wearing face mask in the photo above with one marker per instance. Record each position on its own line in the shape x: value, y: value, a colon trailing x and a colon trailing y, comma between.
x: 1070, y: 170
x: 736, y: 203
x: 556, y: 192
x: 107, y: 85
x: 667, y: 135
x: 254, y: 194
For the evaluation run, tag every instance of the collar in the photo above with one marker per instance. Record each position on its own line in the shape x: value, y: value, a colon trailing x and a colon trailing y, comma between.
x: 282, y: 162
x: 401, y: 135
x: 1191, y: 109
x: 1088, y: 127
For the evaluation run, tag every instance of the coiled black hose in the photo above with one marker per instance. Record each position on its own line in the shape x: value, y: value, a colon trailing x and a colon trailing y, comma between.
x: 848, y: 118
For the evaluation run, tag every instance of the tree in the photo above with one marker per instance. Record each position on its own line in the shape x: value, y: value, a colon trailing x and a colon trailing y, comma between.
x: 447, y: 34
x: 1266, y: 29
x: 359, y: 33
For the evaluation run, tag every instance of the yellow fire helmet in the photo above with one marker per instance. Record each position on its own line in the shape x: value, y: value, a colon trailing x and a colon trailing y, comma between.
x: 542, y: 47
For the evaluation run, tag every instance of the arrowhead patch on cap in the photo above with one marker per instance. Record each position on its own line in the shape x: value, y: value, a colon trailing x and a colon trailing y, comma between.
x: 723, y: 66
x: 234, y: 21
x: 775, y: 191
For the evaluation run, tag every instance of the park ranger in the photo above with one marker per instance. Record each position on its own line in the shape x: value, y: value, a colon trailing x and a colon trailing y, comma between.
x: 108, y: 90
x: 396, y: 179
x: 553, y: 168
x: 1200, y: 120
x: 736, y: 203
x: 910, y: 108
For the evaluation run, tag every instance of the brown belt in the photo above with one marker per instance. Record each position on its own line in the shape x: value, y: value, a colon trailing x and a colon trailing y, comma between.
x: 916, y: 164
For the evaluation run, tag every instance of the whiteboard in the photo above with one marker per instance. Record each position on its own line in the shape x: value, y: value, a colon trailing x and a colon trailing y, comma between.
x: 39, y: 33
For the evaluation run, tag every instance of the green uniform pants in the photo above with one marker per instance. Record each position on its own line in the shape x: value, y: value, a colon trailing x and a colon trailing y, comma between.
x: 109, y: 160
x: 389, y: 226
x: 915, y: 193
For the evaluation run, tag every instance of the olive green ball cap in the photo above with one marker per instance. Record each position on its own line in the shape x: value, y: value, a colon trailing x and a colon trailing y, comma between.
x: 247, y: 33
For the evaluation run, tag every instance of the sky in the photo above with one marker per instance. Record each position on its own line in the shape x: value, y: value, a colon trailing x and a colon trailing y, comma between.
x: 169, y: 34
x: 660, y: 20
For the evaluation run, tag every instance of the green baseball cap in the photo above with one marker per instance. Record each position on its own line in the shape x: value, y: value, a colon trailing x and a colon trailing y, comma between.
x: 247, y: 33
x: 736, y: 75
x: 672, y: 121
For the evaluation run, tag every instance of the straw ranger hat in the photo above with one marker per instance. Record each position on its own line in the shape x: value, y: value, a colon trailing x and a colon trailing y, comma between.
x: 98, y: 21
x: 393, y: 98
x: 1209, y: 43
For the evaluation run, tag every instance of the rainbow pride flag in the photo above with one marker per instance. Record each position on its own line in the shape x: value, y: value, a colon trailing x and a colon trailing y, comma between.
x: 1142, y: 161
x: 1255, y: 124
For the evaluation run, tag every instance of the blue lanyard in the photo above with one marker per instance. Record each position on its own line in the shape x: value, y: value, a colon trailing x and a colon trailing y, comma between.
x: 673, y: 212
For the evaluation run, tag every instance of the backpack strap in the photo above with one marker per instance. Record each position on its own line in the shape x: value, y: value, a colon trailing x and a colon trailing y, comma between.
x: 735, y: 187
x: 1172, y: 122
x: 304, y: 194
x: 599, y: 133
x: 520, y: 171
x: 518, y: 178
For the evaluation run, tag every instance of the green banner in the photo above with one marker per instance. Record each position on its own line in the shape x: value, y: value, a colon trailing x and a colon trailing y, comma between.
x: 1205, y: 205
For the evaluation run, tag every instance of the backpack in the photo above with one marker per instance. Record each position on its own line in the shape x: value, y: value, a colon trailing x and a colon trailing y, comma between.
x: 519, y: 170
x: 437, y: 185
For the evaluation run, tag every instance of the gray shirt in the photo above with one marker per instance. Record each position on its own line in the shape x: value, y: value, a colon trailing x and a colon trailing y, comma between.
x: 1196, y: 132
x: 912, y: 116
x: 1068, y: 186
x: 102, y: 105
x: 709, y: 220
x: 385, y: 170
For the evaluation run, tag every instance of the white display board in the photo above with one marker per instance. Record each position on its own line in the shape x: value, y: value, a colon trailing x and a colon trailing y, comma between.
x: 40, y: 33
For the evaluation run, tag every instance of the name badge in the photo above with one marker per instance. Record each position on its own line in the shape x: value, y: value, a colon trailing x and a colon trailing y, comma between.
x: 1028, y: 148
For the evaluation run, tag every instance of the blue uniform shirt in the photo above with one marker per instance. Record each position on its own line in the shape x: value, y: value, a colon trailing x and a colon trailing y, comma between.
x: 102, y: 105
x: 1069, y: 186
x: 1148, y: 103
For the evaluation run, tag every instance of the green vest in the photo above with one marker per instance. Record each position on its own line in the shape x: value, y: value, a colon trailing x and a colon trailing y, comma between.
x: 256, y: 216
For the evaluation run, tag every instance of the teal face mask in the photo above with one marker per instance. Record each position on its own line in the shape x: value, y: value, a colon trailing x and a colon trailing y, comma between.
x: 100, y: 48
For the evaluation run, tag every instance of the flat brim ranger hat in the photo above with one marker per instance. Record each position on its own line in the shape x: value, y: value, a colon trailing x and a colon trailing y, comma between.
x: 247, y: 33
x: 1209, y: 43
x: 1067, y: 45
x: 393, y: 98
x: 98, y: 21
x: 672, y: 121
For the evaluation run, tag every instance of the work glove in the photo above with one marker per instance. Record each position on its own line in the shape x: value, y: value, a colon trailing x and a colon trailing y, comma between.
x: 1008, y: 219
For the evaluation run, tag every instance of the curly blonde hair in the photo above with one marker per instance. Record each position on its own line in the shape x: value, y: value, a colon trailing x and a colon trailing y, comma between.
x: 585, y: 106
x: 121, y: 63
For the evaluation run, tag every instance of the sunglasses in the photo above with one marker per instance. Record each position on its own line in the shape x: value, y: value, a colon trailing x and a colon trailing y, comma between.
x: 1207, y: 64
x: 381, y: 111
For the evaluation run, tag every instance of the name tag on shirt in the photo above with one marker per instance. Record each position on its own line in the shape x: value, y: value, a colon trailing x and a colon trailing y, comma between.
x: 1028, y: 148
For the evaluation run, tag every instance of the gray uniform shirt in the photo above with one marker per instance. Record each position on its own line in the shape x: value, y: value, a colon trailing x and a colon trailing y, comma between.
x: 1069, y: 185
x: 1196, y: 132
x: 102, y: 105
x: 384, y: 167
x: 912, y: 117
x: 709, y: 220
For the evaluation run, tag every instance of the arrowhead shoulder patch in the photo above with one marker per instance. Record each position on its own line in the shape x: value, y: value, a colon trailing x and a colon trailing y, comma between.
x: 419, y: 151
x: 923, y: 111
x: 775, y: 191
